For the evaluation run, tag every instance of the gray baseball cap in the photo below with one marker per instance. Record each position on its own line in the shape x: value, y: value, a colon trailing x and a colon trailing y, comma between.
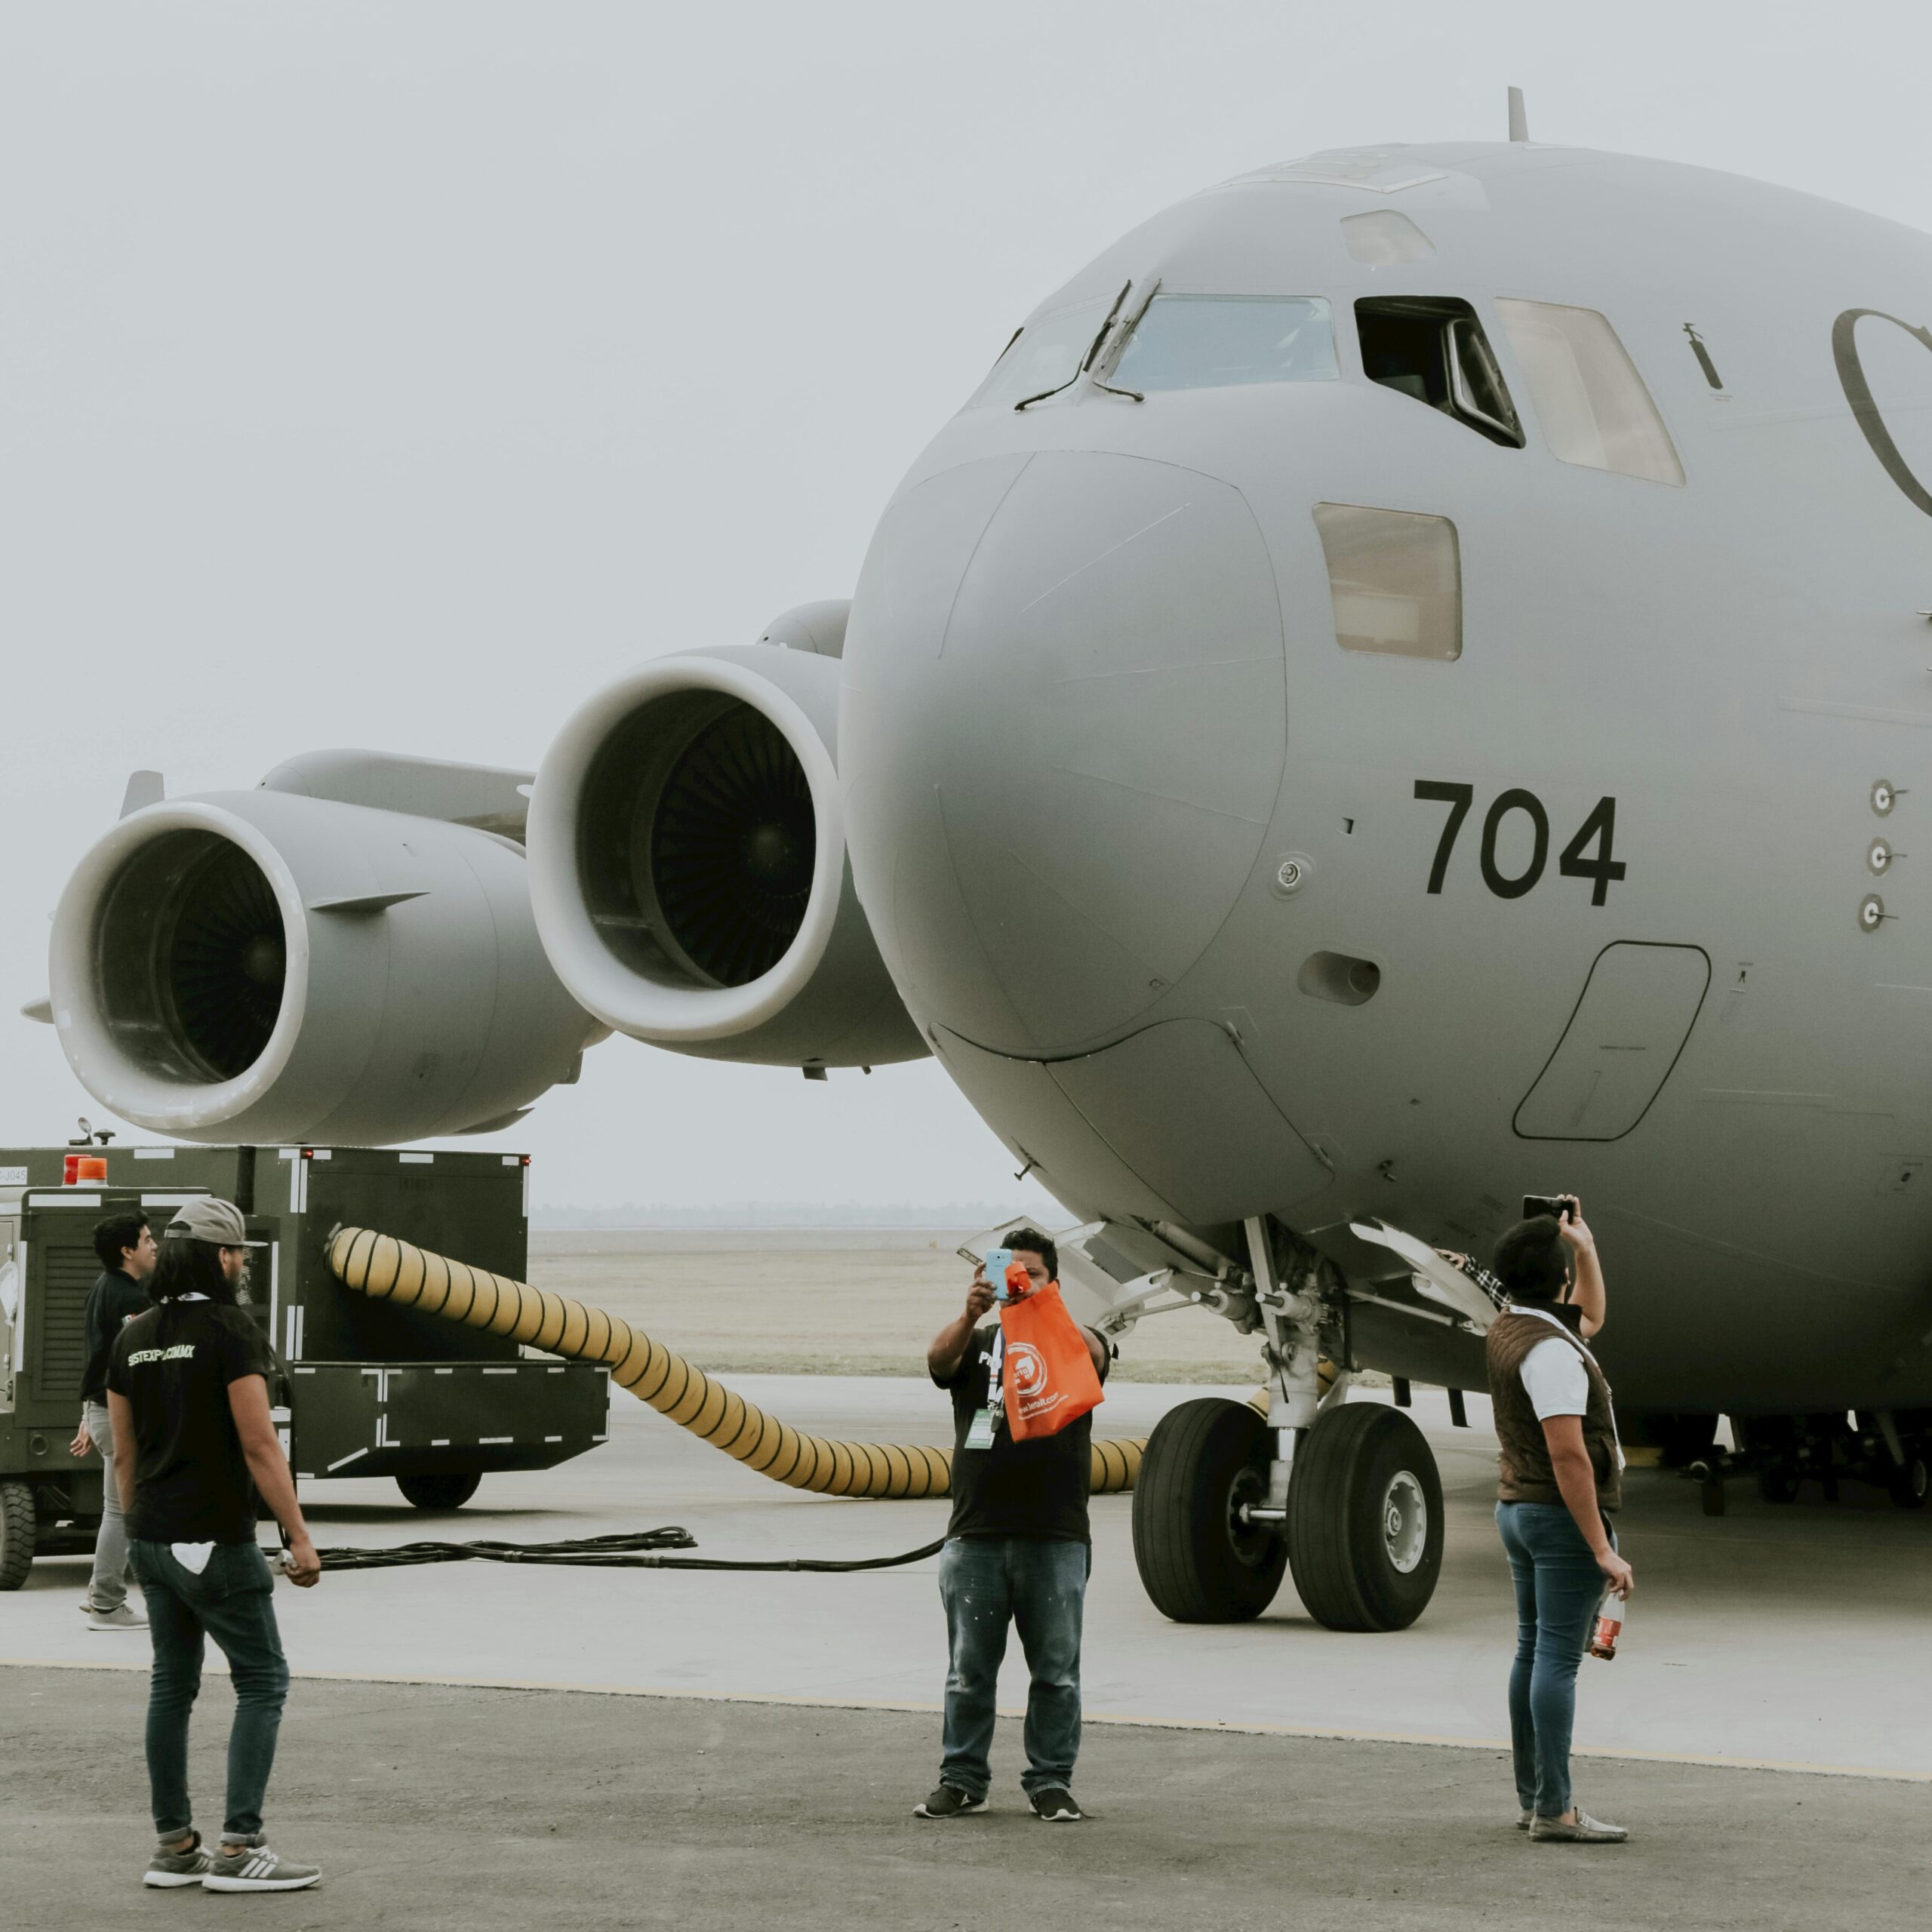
x: 211, y: 1219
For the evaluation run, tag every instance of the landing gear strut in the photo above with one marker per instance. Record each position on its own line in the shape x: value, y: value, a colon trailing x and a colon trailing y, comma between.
x: 1348, y: 1497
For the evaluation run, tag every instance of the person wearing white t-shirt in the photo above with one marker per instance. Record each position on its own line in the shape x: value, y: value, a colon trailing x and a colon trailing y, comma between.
x: 1559, y: 1480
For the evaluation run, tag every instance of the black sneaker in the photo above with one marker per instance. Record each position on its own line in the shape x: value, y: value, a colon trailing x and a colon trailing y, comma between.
x: 1055, y: 1806
x: 948, y: 1802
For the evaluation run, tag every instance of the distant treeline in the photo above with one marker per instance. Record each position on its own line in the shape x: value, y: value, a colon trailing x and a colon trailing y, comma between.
x: 801, y: 1214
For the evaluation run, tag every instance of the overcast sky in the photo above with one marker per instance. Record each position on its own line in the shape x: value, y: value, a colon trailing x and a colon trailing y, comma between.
x: 396, y: 375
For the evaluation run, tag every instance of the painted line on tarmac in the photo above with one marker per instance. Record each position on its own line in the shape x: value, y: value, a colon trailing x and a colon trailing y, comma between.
x: 1337, y: 1733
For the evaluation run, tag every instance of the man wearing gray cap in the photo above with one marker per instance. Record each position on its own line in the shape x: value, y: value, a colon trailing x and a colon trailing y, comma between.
x: 187, y: 1388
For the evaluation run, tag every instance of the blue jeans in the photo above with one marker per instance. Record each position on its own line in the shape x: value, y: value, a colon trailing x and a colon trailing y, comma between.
x: 1040, y: 1586
x: 1558, y: 1588
x: 231, y: 1601
x: 107, y: 1589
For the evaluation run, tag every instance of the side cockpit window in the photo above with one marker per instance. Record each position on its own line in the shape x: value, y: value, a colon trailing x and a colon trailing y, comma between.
x: 1590, y: 402
x: 1434, y: 350
x: 1202, y: 341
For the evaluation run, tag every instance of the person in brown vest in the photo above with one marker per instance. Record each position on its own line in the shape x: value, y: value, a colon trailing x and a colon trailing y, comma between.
x: 1560, y: 1476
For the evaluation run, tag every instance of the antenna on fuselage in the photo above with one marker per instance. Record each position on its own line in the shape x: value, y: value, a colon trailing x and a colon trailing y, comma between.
x: 1519, y: 121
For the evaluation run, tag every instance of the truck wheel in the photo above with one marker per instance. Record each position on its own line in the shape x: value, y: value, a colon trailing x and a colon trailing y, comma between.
x: 1200, y: 1561
x: 16, y: 1534
x: 1365, y: 1520
x: 439, y: 1492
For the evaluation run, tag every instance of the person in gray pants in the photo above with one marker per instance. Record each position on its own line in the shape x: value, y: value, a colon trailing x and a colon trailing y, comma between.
x: 125, y: 1244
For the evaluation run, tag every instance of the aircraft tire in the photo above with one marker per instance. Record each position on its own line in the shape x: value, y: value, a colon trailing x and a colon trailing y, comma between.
x: 1681, y: 1439
x: 440, y: 1492
x: 1365, y: 1520
x: 1909, y: 1487
x: 1199, y: 1562
x: 16, y: 1534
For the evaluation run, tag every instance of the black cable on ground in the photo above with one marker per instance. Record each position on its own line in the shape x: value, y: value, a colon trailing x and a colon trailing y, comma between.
x: 638, y: 1550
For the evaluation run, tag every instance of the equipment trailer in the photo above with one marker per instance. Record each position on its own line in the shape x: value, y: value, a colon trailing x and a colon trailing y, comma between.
x: 372, y: 1389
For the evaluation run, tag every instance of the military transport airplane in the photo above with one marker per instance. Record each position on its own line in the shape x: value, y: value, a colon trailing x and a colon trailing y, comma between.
x: 1407, y: 681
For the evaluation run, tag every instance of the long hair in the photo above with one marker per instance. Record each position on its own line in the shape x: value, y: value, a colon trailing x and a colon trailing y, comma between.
x: 188, y: 1267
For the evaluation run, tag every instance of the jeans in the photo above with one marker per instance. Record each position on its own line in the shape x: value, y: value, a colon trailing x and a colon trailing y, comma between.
x: 1040, y: 1586
x: 232, y: 1602
x: 1558, y: 1586
x: 107, y: 1589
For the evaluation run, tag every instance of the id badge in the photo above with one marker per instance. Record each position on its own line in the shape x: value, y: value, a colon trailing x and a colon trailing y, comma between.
x: 979, y: 1432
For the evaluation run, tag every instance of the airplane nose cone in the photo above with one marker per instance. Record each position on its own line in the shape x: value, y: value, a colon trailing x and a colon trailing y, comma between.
x: 1061, y: 737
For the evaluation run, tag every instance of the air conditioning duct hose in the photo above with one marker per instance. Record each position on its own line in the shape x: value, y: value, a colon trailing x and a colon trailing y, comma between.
x: 387, y: 1269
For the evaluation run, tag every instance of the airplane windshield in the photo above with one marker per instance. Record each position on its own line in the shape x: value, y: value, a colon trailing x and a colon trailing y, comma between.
x: 1202, y: 342
x: 1042, y: 357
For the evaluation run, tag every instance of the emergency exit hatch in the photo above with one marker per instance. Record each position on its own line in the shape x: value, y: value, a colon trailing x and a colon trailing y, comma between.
x: 1638, y: 1008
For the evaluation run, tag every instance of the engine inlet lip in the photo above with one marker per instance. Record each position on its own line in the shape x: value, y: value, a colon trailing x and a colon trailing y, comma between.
x: 595, y: 977
x: 99, y: 1060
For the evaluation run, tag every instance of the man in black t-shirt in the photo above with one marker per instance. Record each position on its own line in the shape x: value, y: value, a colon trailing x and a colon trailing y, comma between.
x: 188, y: 1390
x: 1017, y: 1551
x: 125, y: 1246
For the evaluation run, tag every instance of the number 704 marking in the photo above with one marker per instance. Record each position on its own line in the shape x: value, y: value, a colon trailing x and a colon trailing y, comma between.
x: 1577, y: 861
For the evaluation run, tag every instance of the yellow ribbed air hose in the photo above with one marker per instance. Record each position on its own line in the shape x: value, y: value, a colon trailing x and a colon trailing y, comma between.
x: 386, y: 1269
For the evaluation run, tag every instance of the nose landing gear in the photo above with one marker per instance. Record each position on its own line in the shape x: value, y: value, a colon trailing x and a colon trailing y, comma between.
x: 1348, y: 1497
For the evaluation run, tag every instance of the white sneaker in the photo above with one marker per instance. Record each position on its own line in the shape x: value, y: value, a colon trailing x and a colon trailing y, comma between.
x: 122, y: 1616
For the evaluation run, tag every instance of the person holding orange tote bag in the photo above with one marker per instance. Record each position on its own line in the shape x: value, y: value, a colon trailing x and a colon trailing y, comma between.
x: 1018, y: 1548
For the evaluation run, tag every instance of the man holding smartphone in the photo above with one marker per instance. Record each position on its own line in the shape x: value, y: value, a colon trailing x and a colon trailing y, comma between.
x: 1017, y: 1551
x: 1560, y: 1477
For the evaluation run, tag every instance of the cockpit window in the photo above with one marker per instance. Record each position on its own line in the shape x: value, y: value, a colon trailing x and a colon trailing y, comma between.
x: 1043, y: 355
x: 1591, y: 402
x: 1384, y: 239
x: 1434, y: 350
x: 1205, y: 342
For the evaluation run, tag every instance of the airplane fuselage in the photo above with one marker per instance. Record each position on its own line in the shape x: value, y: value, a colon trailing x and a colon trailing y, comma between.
x: 1239, y: 853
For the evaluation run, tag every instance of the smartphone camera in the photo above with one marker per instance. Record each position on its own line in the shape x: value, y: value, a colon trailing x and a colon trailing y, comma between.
x: 999, y: 1260
x: 1559, y: 1206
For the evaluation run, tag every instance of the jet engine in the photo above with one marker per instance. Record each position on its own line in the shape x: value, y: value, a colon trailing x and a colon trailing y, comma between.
x: 266, y: 966
x: 688, y: 870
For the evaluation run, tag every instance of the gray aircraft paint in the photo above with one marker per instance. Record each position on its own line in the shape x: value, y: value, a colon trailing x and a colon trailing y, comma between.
x: 1093, y: 703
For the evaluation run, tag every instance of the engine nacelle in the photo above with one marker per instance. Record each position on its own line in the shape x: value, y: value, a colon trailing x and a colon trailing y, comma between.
x: 688, y: 866
x: 262, y: 966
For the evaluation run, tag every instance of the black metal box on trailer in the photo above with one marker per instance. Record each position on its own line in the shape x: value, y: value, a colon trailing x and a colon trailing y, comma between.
x: 375, y: 1390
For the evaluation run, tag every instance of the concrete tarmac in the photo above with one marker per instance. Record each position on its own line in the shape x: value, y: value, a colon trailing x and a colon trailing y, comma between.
x: 762, y: 1736
x: 1794, y: 1635
x: 432, y: 1807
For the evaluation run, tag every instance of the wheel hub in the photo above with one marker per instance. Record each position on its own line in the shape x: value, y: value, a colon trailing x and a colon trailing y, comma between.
x: 1405, y: 1521
x: 1250, y: 1538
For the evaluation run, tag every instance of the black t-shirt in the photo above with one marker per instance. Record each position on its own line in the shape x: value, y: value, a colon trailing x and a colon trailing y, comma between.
x: 114, y: 1298
x: 1014, y: 1489
x: 173, y: 1364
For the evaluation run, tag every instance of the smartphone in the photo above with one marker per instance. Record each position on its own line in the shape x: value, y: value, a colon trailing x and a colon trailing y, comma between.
x: 1560, y: 1207
x: 997, y: 1261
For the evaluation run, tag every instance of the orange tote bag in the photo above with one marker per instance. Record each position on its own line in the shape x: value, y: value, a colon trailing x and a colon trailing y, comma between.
x: 1049, y: 1380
